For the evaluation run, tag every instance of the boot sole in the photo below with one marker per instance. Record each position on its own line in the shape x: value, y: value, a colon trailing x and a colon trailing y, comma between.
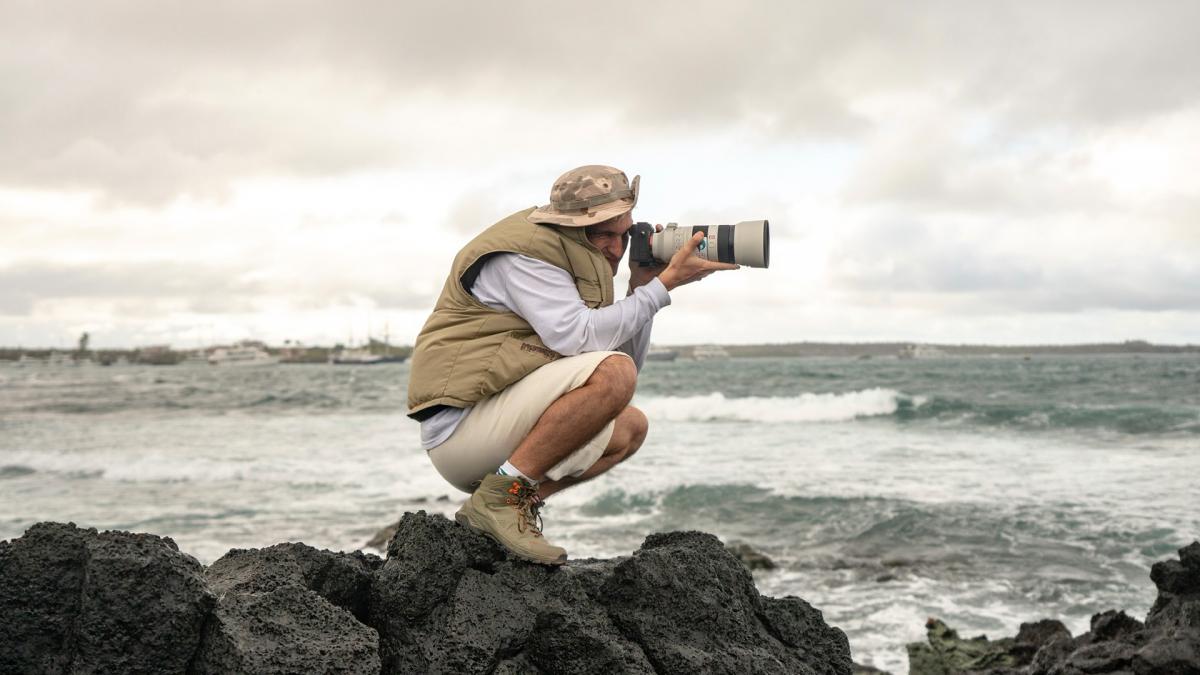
x: 466, y: 521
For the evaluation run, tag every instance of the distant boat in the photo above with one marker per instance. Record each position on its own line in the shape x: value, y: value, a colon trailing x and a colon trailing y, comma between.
x: 709, y: 353
x: 915, y: 351
x: 362, y: 357
x: 60, y: 359
x: 355, y: 357
x: 661, y: 354
x: 195, y: 359
x: 242, y: 355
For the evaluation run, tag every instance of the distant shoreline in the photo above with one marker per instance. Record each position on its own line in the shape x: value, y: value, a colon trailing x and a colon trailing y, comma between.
x: 165, y: 355
x: 879, y: 349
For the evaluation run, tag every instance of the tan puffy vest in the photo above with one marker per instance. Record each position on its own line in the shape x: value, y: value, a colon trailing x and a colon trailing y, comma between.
x: 467, y: 350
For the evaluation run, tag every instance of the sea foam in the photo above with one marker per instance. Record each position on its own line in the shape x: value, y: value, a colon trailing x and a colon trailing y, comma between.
x: 807, y: 407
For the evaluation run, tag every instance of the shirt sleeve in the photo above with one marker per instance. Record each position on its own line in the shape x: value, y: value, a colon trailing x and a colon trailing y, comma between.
x: 639, y: 344
x: 546, y: 297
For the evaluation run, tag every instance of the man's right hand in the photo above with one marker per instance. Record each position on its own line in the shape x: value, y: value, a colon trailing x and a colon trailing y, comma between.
x: 686, y: 267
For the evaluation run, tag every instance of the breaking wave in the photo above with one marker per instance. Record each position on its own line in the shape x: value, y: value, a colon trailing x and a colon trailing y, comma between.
x: 808, y: 407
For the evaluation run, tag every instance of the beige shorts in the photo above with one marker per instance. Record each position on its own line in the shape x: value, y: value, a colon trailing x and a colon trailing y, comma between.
x: 494, y: 427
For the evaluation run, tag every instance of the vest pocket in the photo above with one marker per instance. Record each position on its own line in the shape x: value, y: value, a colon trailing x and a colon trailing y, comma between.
x: 589, y: 291
x: 513, y: 360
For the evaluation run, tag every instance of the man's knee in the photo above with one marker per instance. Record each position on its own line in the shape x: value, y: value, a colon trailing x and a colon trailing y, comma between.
x: 639, y: 426
x: 629, y: 434
x: 616, y: 378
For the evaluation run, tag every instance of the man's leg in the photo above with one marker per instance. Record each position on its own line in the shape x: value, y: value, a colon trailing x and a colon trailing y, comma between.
x: 628, y: 435
x: 543, y: 419
x: 574, y: 418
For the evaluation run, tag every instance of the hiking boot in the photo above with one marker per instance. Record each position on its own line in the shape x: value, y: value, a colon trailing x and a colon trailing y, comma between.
x: 505, y: 508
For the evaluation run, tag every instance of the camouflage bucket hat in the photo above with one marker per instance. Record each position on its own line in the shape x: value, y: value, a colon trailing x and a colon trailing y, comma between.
x: 588, y: 195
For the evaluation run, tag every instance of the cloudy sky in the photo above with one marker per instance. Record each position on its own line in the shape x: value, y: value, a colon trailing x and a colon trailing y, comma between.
x: 990, y: 172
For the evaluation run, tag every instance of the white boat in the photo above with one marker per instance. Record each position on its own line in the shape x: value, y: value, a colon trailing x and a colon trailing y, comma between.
x: 709, y: 353
x: 661, y: 354
x: 355, y: 357
x: 916, y: 351
x: 242, y: 355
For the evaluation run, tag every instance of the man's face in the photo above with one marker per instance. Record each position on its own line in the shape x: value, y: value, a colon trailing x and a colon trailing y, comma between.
x: 611, y: 238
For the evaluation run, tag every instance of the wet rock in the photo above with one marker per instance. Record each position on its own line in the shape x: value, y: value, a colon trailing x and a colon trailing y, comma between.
x: 1033, y: 637
x: 1168, y: 643
x: 1114, y: 625
x: 1171, y: 576
x: 801, y: 626
x: 380, y: 539
x: 1051, y: 654
x: 1100, y: 657
x: 1170, y: 654
x: 1189, y: 556
x: 750, y: 557
x: 944, y: 652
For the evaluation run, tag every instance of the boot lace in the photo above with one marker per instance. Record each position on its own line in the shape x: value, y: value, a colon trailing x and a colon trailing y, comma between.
x: 523, y: 497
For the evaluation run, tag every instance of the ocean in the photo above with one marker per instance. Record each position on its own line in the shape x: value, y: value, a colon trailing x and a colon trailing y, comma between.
x: 981, y: 491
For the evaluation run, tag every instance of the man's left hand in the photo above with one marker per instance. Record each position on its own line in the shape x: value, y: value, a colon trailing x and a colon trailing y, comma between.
x: 640, y: 276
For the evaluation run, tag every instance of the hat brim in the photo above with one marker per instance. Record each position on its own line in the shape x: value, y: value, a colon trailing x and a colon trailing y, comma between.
x: 548, y: 215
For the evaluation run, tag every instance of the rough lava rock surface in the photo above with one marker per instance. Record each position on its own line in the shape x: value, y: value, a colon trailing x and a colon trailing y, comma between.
x: 1167, y: 643
x: 444, y: 600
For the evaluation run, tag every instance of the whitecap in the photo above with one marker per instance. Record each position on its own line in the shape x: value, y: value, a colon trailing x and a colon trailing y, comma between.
x: 807, y: 407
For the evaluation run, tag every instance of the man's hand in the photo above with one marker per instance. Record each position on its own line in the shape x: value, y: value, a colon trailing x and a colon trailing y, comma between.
x: 640, y: 276
x: 686, y: 267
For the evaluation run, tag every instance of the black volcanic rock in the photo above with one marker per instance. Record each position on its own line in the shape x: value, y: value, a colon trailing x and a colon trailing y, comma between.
x: 344, y: 579
x: 444, y: 600
x: 290, y: 608
x: 74, y: 600
x: 1168, y: 643
x: 692, y: 607
x: 289, y: 629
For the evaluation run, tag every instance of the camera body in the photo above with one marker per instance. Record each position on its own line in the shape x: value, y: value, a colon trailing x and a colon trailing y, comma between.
x: 745, y: 243
x: 639, y: 244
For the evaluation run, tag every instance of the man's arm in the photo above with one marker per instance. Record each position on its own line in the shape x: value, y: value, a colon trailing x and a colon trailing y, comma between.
x: 547, y: 298
x: 638, y: 345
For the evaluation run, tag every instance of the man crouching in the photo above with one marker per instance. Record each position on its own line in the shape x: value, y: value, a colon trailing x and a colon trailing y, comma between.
x: 522, y: 376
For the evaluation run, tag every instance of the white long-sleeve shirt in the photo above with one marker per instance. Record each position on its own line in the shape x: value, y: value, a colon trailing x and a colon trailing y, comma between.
x: 547, y: 298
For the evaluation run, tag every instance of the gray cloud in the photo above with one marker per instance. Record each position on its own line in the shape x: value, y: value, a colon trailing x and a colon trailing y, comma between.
x: 151, y: 288
x: 144, y: 102
x: 962, y: 272
x: 22, y: 285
